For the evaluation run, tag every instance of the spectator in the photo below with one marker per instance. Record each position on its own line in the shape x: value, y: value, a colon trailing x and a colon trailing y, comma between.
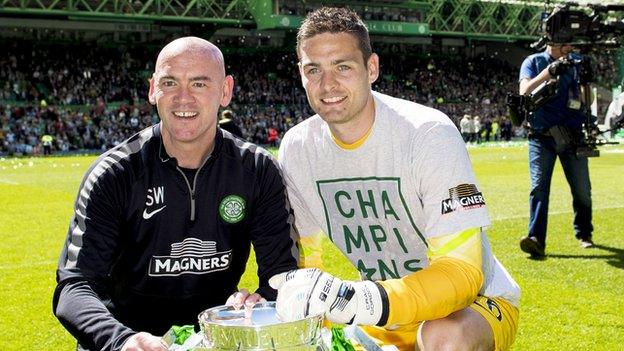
x: 46, y: 141
x: 506, y: 128
x: 487, y: 128
x: 477, y: 129
x: 227, y: 122
x: 272, y: 137
x: 465, y: 128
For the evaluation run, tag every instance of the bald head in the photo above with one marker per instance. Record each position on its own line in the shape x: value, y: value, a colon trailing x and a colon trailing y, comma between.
x: 192, y: 46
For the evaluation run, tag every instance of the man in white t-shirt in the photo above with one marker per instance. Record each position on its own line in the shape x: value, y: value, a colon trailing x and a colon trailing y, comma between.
x: 465, y: 125
x: 390, y: 183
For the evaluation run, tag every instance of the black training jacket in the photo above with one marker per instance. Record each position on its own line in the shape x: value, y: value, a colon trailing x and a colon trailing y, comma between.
x: 148, y: 248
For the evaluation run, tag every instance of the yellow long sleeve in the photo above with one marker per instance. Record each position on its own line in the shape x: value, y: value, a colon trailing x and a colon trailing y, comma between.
x: 310, y: 251
x: 451, y: 282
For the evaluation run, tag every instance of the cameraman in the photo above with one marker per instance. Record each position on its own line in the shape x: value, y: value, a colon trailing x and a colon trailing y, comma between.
x: 552, y: 130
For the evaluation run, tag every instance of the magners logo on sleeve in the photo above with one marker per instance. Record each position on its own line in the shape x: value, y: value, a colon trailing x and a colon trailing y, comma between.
x: 463, y: 196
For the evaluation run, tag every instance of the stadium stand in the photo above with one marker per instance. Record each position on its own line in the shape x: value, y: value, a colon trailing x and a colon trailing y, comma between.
x: 91, y: 95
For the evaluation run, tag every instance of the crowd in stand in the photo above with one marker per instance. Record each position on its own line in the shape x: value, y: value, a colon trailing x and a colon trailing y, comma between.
x: 93, y: 98
x: 71, y: 75
x: 605, y: 64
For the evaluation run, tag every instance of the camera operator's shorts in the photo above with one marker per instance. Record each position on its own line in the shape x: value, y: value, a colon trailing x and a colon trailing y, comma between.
x: 499, y: 314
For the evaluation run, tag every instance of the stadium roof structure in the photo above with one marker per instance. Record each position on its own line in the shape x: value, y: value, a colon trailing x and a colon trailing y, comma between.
x: 226, y: 12
x: 478, y: 19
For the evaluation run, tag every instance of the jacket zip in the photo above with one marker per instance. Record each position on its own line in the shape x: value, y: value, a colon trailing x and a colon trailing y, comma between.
x: 192, y: 189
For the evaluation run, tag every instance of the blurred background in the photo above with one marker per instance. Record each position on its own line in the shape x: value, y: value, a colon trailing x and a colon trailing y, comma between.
x: 77, y: 70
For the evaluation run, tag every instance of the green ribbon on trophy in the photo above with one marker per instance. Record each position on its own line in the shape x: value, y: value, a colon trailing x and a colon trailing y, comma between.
x: 339, y: 341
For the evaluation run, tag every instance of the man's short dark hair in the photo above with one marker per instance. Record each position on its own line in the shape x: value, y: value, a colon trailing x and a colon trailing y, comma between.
x: 335, y: 20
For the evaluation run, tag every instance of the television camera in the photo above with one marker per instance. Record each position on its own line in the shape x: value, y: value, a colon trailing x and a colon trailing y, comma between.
x: 568, y: 25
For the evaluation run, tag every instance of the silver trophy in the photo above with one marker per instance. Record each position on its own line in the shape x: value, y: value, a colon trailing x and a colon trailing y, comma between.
x: 228, y: 328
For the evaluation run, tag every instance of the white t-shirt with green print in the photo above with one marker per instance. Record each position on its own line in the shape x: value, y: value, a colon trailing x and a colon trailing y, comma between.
x: 379, y: 203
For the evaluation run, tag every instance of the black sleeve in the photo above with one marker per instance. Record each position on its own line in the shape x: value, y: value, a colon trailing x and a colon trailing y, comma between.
x: 83, y: 313
x: 80, y: 298
x: 273, y: 234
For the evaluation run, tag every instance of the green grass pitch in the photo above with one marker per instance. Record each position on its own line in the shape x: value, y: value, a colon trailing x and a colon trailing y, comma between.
x: 573, y: 300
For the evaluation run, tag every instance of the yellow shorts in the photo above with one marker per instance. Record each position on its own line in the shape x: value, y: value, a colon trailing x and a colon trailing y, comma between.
x: 500, y: 315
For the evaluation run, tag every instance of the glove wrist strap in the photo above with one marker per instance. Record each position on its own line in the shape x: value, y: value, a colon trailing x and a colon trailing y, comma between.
x: 372, y: 304
x: 385, y: 305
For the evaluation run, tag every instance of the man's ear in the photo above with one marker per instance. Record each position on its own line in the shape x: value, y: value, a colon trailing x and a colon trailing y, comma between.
x: 228, y: 87
x: 373, y: 68
x: 151, y: 95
